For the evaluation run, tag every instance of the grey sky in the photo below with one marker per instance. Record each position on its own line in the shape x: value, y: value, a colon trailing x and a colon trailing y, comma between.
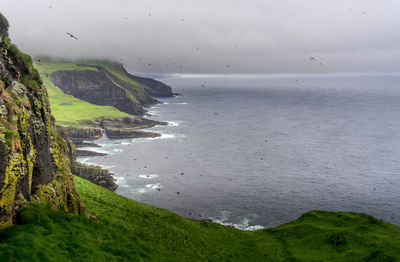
x: 249, y: 36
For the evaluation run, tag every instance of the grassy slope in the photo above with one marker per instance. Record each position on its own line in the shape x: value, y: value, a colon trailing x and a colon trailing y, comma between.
x: 131, y: 231
x: 67, y: 109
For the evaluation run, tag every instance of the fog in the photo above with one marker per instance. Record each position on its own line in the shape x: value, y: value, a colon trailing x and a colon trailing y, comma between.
x: 214, y: 36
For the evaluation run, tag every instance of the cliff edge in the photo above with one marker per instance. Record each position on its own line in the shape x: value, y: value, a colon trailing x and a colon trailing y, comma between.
x: 34, y: 163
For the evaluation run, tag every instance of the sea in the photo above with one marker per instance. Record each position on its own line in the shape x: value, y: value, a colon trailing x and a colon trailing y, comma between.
x: 258, y: 151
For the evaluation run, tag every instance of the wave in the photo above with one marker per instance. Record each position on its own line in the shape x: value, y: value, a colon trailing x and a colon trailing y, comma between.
x: 152, y: 112
x: 95, y: 149
x: 182, y: 103
x: 172, y: 123
x: 121, y: 181
x: 148, y: 176
x: 242, y: 225
x: 164, y: 136
x: 154, y: 186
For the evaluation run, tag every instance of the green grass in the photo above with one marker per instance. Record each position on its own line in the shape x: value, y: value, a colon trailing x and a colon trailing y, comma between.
x: 68, y: 110
x: 10, y: 135
x: 130, y: 231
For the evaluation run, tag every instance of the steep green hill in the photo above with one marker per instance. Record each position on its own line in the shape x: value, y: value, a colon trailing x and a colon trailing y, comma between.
x: 69, y: 110
x: 130, y: 231
x: 81, y: 92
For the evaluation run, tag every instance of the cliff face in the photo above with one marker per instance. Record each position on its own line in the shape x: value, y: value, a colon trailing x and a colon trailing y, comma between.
x: 34, y: 165
x: 155, y: 88
x: 96, y: 88
x: 127, y: 93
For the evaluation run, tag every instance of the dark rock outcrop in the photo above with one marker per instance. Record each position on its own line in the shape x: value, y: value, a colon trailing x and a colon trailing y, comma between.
x: 129, y: 127
x: 94, y: 174
x: 80, y: 152
x: 34, y: 163
x: 79, y: 134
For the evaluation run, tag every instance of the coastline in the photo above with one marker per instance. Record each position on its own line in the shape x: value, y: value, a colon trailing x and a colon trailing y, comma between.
x: 82, y: 142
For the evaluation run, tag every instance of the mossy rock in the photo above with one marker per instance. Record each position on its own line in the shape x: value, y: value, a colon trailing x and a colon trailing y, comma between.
x: 33, y: 156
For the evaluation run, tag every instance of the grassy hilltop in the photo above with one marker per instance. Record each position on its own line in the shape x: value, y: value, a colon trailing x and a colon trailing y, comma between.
x: 130, y: 231
x: 69, y: 110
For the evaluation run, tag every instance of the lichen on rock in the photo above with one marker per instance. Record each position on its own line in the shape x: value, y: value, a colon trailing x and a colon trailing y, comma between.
x: 34, y: 162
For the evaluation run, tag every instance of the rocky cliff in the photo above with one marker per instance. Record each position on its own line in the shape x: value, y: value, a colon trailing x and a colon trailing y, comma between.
x: 112, y: 86
x: 94, y: 174
x: 34, y: 163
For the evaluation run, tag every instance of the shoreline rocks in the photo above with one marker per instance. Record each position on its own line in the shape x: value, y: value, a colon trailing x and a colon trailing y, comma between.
x: 113, y: 128
x: 94, y: 174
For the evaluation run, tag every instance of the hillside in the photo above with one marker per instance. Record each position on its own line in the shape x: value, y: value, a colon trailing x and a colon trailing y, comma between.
x: 86, y: 91
x: 130, y: 231
x: 44, y: 209
x: 67, y: 109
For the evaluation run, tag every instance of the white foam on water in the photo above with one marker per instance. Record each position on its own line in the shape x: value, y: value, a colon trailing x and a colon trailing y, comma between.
x: 105, y: 167
x: 121, y: 181
x: 242, y: 225
x: 96, y: 150
x: 152, y: 112
x: 165, y: 103
x: 172, y: 123
x: 163, y: 136
x: 167, y: 136
x: 125, y: 143
x: 142, y: 190
x: 148, y: 176
x: 84, y: 160
x: 118, y: 150
x: 254, y: 228
x: 183, y: 103
x: 154, y: 186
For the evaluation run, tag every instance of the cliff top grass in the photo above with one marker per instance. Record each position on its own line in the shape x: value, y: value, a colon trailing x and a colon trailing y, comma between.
x: 69, y: 110
x: 130, y: 231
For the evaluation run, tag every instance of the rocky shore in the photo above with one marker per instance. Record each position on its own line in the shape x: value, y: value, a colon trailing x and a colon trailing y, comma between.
x: 94, y: 174
x: 113, y: 128
x: 129, y: 127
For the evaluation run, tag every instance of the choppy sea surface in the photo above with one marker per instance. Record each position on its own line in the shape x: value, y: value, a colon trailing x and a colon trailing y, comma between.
x: 260, y: 151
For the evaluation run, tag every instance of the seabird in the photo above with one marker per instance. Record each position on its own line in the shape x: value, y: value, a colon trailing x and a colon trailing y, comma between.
x: 312, y: 58
x: 71, y: 35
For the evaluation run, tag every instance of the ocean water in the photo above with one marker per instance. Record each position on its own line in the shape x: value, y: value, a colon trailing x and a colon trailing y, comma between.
x: 260, y: 151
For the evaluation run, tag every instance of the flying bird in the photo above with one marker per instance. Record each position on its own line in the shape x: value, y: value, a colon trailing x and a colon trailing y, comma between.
x: 71, y: 35
x: 312, y: 58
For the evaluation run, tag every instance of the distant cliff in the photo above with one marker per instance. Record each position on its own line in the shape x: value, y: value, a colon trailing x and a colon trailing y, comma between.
x: 34, y: 165
x: 110, y: 84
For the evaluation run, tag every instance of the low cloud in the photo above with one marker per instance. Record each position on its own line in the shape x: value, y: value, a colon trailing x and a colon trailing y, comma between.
x: 224, y: 36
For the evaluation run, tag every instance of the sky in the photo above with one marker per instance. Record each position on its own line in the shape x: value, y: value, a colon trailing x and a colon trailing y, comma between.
x: 214, y: 36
